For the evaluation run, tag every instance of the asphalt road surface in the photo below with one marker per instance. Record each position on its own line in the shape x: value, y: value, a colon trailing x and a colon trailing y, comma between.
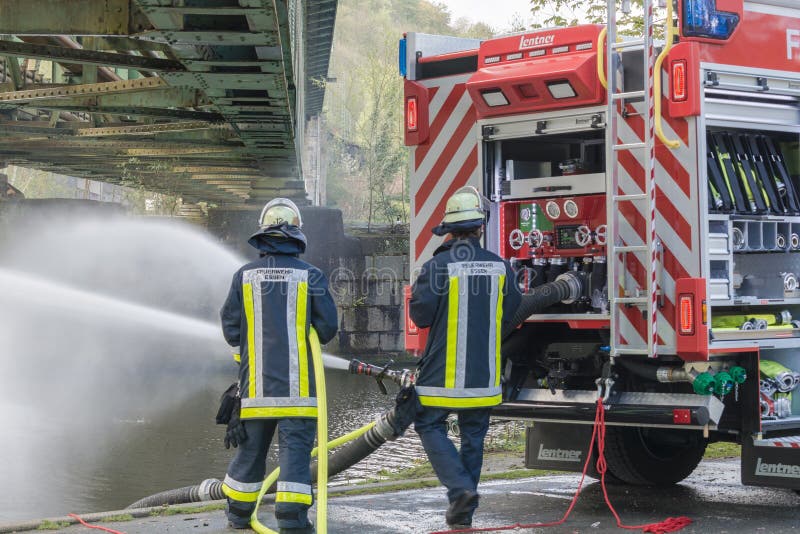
x: 713, y: 497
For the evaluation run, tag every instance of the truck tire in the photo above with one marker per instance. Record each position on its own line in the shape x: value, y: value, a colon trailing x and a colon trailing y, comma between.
x: 652, y: 456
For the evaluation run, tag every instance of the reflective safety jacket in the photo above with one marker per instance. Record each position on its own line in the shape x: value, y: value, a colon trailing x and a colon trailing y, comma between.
x: 464, y: 294
x: 271, y: 305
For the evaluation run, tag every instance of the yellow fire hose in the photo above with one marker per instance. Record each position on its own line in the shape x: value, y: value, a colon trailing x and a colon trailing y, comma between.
x: 735, y: 321
x: 323, y: 446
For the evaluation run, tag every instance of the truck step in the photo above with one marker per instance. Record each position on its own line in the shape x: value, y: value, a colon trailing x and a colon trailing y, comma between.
x: 790, y: 442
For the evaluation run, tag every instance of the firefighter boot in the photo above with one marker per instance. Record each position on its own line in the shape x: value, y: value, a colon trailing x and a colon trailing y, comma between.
x: 459, y: 514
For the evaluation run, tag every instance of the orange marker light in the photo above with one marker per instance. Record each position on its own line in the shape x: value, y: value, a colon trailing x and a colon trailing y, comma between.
x: 687, y: 314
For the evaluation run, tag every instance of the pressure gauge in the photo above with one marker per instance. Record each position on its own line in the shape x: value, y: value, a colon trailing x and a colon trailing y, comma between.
x: 552, y: 209
x: 571, y: 209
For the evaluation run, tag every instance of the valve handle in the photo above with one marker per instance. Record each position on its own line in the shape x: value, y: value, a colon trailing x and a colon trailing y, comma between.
x: 583, y: 236
x: 516, y: 239
x: 600, y: 234
x: 535, y: 238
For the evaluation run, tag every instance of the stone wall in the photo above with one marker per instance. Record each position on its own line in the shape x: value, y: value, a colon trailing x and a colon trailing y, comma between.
x: 366, y: 270
x: 368, y: 289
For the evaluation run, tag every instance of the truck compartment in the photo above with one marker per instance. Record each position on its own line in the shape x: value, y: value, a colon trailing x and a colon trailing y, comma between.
x: 753, y: 234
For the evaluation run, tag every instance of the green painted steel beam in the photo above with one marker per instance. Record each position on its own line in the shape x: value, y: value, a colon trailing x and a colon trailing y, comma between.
x: 87, y: 57
x: 65, y: 17
x: 173, y: 97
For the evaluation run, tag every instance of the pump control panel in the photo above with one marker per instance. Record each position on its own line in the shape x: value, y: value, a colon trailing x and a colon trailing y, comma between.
x: 546, y: 228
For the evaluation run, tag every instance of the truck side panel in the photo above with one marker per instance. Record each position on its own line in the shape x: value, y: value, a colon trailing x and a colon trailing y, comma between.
x: 445, y: 161
x: 677, y: 221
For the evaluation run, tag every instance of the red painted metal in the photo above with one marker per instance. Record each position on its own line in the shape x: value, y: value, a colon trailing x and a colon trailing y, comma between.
x: 761, y: 40
x: 694, y: 346
x: 524, y: 81
x: 420, y: 93
x: 689, y: 53
x: 591, y: 213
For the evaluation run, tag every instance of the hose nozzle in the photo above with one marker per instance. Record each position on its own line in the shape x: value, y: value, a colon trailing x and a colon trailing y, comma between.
x: 402, y: 377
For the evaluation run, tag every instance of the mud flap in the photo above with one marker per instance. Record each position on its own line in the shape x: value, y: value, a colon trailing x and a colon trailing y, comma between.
x: 557, y: 446
x: 771, y: 462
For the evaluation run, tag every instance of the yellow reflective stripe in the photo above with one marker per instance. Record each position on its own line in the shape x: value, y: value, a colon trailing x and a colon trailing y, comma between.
x: 237, y: 358
x: 460, y: 402
x: 300, y: 328
x: 452, y: 334
x: 240, y: 496
x: 499, y: 329
x: 247, y: 296
x: 289, y: 496
x: 282, y: 411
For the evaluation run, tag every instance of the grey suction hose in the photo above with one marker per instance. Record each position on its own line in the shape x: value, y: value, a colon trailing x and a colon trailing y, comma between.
x: 566, y: 288
x: 208, y: 490
x: 340, y: 459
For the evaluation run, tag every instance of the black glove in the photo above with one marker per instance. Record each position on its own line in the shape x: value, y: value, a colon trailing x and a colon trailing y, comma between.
x: 235, y: 433
x: 227, y: 403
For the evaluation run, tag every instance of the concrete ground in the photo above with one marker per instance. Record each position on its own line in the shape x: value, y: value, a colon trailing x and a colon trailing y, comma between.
x: 713, y: 497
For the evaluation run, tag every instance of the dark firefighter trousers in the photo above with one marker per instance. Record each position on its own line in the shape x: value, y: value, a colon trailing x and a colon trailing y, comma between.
x: 457, y: 470
x: 248, y: 469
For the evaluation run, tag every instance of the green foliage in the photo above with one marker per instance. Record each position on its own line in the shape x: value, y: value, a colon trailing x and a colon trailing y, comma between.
x: 41, y: 184
x: 549, y: 13
x: 52, y: 525
x: 722, y: 449
x: 118, y: 518
x: 151, y: 187
x: 178, y: 510
x: 367, y: 170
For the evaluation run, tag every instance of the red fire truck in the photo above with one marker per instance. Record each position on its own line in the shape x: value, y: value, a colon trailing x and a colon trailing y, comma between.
x: 668, y: 177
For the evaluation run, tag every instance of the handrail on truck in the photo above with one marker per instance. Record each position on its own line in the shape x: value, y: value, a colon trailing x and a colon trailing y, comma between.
x: 670, y: 38
x: 601, y: 75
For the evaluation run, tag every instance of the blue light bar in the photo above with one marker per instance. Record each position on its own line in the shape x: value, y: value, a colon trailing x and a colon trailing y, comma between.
x: 401, y: 56
x: 701, y: 19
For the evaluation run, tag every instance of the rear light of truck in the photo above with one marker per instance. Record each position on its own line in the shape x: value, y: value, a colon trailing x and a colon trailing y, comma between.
x: 682, y: 416
x: 679, y: 86
x: 411, y: 114
x: 687, y: 317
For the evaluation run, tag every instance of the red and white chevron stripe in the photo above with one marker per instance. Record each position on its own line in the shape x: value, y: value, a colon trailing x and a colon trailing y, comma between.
x: 676, y: 215
x: 447, y: 161
x: 788, y: 442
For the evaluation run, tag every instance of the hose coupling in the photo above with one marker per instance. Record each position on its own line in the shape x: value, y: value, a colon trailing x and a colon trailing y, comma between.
x: 206, y: 489
x: 384, y: 427
x: 574, y: 286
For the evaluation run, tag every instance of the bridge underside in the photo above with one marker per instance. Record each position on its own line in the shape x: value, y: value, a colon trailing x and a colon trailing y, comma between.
x: 205, y: 99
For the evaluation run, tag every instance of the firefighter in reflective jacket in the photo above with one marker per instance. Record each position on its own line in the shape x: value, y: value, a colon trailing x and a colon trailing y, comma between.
x: 464, y: 294
x: 271, y: 305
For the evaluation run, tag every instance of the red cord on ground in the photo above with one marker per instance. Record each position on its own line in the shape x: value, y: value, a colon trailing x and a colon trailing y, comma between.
x: 97, y: 527
x: 671, y: 524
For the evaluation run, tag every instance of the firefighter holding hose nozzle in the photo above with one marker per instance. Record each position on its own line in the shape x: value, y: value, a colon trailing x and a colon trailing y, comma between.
x: 270, y: 308
x: 465, y: 295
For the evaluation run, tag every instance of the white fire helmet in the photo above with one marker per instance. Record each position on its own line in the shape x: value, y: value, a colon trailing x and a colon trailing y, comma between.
x: 279, y: 211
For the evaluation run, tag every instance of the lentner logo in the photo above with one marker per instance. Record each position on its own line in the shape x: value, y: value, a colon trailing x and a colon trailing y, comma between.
x: 559, y: 455
x: 777, y: 470
x: 535, y: 41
